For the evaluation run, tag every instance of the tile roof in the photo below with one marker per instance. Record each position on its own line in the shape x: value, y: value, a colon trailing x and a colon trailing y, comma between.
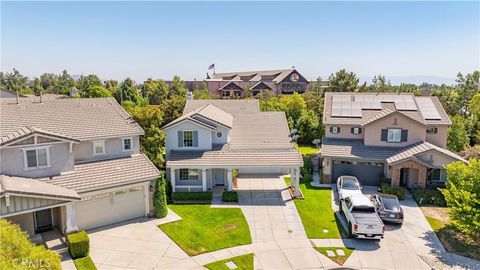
x: 355, y: 149
x: 27, y: 186
x: 280, y: 74
x: 368, y: 114
x: 26, y: 131
x: 81, y: 119
x: 232, y: 107
x: 414, y: 150
x: 386, y: 112
x: 103, y: 174
x: 204, y: 115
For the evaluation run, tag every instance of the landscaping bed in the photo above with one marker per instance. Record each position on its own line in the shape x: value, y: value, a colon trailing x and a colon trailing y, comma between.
x: 316, y: 212
x: 339, y: 259
x: 244, y: 262
x: 84, y: 263
x: 230, y: 196
x: 204, y: 229
x: 192, y: 197
x: 307, y: 150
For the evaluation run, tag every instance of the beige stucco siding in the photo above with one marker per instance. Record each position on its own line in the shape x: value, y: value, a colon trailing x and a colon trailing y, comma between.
x: 345, y: 132
x: 373, y: 131
x: 113, y: 149
x: 25, y: 221
x: 440, y: 138
x: 435, y: 158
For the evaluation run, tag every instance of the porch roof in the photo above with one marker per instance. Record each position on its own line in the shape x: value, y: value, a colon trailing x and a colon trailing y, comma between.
x: 355, y: 149
x: 419, y: 148
x: 11, y: 185
x: 237, y: 159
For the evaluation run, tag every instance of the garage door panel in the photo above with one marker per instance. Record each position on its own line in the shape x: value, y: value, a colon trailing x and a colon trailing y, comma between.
x: 368, y: 173
x: 107, y: 210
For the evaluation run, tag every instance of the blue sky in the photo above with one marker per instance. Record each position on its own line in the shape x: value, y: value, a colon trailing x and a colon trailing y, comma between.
x: 161, y: 39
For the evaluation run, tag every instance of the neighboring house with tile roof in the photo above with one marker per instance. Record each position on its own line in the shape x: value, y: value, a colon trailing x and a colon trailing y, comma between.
x: 71, y: 164
x: 374, y: 136
x: 214, y: 137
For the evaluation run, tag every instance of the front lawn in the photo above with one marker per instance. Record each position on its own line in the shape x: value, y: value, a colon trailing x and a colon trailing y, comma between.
x: 244, y: 262
x: 337, y: 258
x: 204, y: 229
x: 307, y: 150
x: 316, y: 212
x: 452, y: 240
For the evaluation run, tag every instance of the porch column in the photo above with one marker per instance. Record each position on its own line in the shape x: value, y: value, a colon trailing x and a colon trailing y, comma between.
x: 229, y: 180
x: 292, y: 178
x: 297, y: 182
x: 172, y: 178
x: 71, y: 220
x: 204, y: 179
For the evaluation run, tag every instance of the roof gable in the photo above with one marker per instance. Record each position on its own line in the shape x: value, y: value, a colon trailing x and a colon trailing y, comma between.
x: 387, y: 113
x: 230, y: 86
x: 25, y: 133
x: 203, y: 116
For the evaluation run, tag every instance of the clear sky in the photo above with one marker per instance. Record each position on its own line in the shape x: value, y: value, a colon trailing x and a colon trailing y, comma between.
x: 161, y: 39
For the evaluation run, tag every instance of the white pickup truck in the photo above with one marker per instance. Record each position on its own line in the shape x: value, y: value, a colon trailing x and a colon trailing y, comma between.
x: 362, y: 218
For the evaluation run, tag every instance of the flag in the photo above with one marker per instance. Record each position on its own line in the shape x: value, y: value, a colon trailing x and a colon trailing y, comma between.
x: 212, y: 66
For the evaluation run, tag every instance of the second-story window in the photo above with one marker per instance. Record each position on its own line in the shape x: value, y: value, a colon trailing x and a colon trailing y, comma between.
x: 127, y: 144
x: 394, y: 135
x: 36, y: 158
x: 432, y: 130
x: 98, y: 147
x: 335, y: 130
x: 188, y: 138
x: 356, y: 130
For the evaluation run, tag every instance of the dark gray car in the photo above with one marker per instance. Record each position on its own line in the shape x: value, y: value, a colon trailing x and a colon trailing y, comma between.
x: 388, y: 208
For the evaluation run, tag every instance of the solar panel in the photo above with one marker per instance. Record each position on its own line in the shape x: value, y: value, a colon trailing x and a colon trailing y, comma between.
x: 428, y: 109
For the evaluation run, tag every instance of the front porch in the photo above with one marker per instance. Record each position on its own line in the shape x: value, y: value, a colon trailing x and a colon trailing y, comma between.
x: 413, y: 174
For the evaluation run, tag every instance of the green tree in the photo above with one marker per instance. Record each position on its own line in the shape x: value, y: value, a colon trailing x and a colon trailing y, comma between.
x: 457, y: 139
x: 449, y: 97
x: 308, y: 126
x: 271, y: 104
x: 96, y: 91
x: 468, y: 86
x: 462, y: 194
x: 295, y: 105
x: 380, y: 84
x: 177, y: 87
x: 155, y: 91
x: 37, y: 87
x: 160, y: 197
x: 247, y: 92
x: 17, y: 252
x: 15, y: 82
x: 343, y: 81
x: 85, y: 83
x: 65, y: 83
x: 128, y: 91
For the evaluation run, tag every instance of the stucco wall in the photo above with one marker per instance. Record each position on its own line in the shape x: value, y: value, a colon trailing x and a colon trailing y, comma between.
x: 113, y: 149
x: 435, y: 158
x: 373, y: 131
x: 12, y: 161
x: 440, y: 138
x: 25, y: 221
x: 224, y: 138
x: 171, y: 137
x: 345, y: 132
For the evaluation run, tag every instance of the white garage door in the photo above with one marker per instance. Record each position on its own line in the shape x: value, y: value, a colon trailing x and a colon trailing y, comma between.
x: 262, y: 170
x: 108, y: 208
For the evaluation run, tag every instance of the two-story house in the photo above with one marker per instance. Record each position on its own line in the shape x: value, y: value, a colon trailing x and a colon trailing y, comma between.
x: 214, y: 137
x: 373, y: 136
x: 74, y: 164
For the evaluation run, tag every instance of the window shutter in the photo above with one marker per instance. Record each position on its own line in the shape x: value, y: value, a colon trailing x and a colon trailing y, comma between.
x: 195, y: 139
x: 404, y: 135
x: 384, y: 135
x: 180, y: 138
x: 359, y: 131
x: 435, y: 130
x: 331, y: 129
x: 352, y: 130
x: 338, y: 128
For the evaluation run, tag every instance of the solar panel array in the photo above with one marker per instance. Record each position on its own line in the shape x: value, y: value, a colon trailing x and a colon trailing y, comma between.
x: 428, y: 109
x: 352, y: 105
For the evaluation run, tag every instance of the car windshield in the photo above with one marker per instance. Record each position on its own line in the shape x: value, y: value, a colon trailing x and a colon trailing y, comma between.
x: 350, y: 184
x: 363, y: 209
x: 391, y: 204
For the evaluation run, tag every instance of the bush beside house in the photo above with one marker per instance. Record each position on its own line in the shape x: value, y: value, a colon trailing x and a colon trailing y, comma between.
x: 78, y: 244
x: 230, y: 196
x: 430, y: 196
x: 185, y: 197
x: 160, y: 198
x: 400, y: 192
x: 17, y: 252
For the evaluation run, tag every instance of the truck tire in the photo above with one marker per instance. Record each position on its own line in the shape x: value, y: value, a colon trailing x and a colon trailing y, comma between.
x: 350, y: 234
x: 340, y: 206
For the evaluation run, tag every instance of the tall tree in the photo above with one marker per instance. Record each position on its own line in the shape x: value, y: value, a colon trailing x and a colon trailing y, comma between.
x: 128, y: 91
x: 160, y: 197
x: 457, y: 139
x: 468, y: 86
x: 308, y: 126
x: 177, y: 87
x: 155, y: 91
x: 65, y: 83
x: 15, y: 82
x: 37, y: 87
x: 343, y: 81
x: 85, y: 83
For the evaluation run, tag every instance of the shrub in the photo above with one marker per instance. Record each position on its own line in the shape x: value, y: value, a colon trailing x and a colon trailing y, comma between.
x: 400, y: 192
x: 192, y: 196
x: 78, y: 244
x: 307, y: 166
x: 84, y: 263
x: 230, y: 196
x: 15, y: 247
x: 307, y: 178
x: 169, y: 191
x: 429, y: 196
x: 160, y: 198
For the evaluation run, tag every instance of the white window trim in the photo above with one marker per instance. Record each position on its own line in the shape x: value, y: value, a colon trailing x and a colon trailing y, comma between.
x: 25, y: 161
x: 399, y: 135
x: 188, y: 174
x: 123, y: 144
x: 356, y: 130
x: 103, y: 147
x: 183, y: 137
x: 335, y: 130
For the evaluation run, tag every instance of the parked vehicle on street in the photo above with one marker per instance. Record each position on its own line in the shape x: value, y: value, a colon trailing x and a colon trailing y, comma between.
x: 362, y: 218
x: 388, y: 208
x: 347, y: 186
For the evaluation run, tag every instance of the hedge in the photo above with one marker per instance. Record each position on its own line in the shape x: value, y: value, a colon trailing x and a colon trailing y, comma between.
x: 400, y: 192
x: 192, y: 196
x: 307, y: 166
x: 230, y: 196
x: 307, y: 178
x: 78, y: 244
x: 160, y: 198
x: 84, y: 263
x: 430, y: 196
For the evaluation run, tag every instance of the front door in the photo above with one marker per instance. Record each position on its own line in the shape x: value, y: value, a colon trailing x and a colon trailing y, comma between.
x: 43, y: 220
x: 219, y: 177
x: 403, y: 177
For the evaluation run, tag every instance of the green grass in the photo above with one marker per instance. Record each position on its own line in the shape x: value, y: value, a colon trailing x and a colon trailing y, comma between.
x: 204, y: 229
x: 84, y: 263
x: 338, y: 259
x: 244, y: 262
x: 454, y: 241
x: 316, y: 212
x: 307, y: 150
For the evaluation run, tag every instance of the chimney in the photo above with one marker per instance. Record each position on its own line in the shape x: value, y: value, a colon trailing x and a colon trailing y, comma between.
x: 41, y: 98
x: 189, y: 95
x: 18, y: 100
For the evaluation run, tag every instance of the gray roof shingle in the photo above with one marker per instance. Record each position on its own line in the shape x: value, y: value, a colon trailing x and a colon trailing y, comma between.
x: 354, y: 148
x: 413, y: 150
x: 27, y: 186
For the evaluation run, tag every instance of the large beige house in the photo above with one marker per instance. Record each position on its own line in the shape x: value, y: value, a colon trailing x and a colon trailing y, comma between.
x: 214, y: 137
x: 71, y: 164
x: 395, y: 136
